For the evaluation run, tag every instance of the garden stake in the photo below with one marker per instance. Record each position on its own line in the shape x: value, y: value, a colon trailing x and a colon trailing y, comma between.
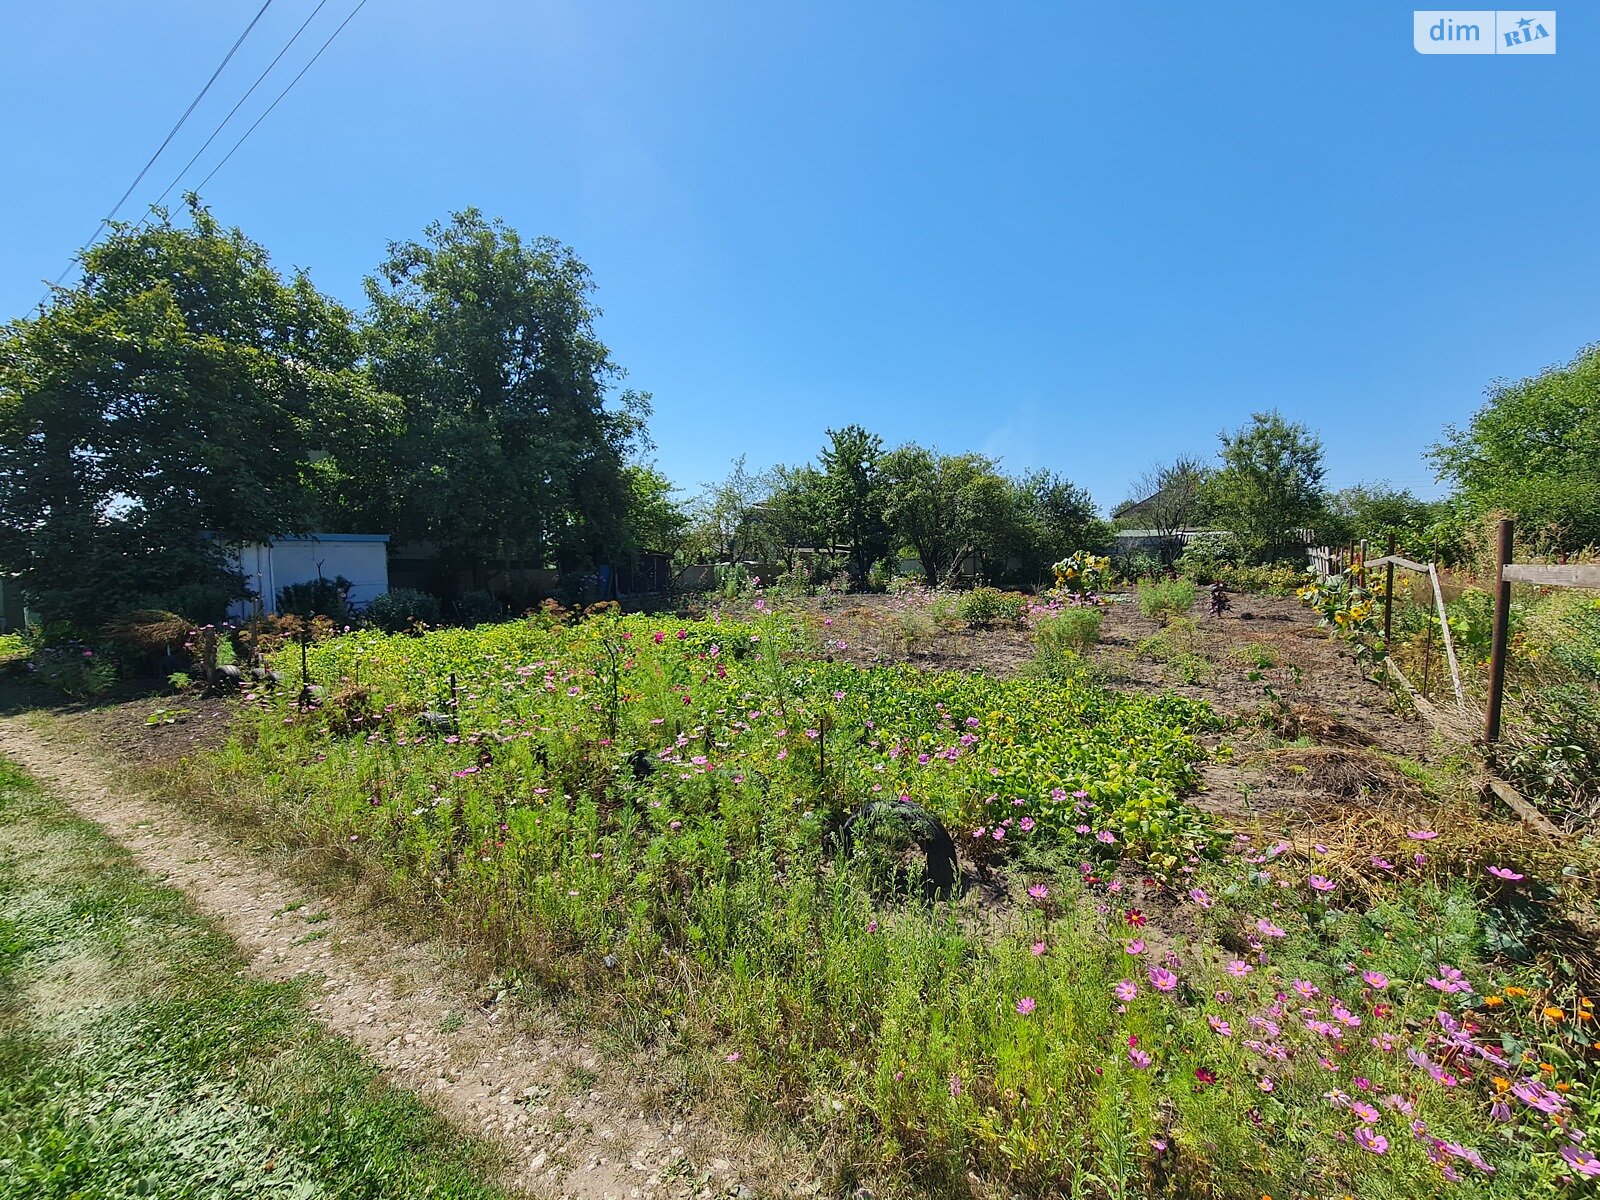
x: 1388, y: 595
x: 1497, y: 652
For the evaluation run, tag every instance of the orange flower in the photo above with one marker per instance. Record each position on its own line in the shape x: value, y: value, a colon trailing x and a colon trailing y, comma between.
x: 1516, y: 991
x: 1563, y: 1086
x: 1493, y: 1001
x: 1552, y: 1013
x: 1547, y: 1068
x: 1501, y: 1084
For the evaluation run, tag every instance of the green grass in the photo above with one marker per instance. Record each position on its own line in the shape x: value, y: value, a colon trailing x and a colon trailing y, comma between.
x: 12, y: 648
x: 139, y: 1059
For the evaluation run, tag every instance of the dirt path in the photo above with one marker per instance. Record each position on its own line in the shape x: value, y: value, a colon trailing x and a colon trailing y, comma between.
x: 511, y: 1076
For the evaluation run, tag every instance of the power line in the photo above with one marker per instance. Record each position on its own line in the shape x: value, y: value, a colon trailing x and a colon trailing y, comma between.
x: 139, y: 178
x: 282, y: 94
x: 250, y: 92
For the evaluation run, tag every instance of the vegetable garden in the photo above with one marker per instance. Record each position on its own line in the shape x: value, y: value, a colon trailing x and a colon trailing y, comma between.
x: 648, y: 815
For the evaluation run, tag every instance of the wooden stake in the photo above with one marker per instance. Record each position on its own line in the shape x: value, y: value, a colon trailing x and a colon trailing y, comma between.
x: 1388, y: 596
x: 1502, y: 628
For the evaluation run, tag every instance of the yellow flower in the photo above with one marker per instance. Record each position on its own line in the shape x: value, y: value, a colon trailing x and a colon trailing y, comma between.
x: 1494, y: 1001
x: 1501, y: 1084
x: 1516, y: 991
x: 1552, y: 1013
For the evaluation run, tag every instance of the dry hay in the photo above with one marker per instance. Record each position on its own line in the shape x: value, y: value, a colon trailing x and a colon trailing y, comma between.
x: 1309, y: 721
x: 1343, y: 774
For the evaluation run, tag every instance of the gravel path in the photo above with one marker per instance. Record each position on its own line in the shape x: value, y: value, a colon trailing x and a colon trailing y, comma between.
x: 508, y: 1073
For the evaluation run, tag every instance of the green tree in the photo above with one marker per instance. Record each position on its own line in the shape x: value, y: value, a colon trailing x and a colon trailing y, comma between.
x: 1375, y: 510
x: 181, y: 398
x: 514, y: 445
x: 1057, y: 517
x: 1269, y: 488
x: 854, y: 495
x: 1168, y: 499
x: 655, y: 521
x: 1532, y: 452
x: 946, y: 507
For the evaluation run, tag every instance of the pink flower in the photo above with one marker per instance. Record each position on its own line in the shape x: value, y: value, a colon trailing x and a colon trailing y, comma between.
x: 1376, y: 980
x: 734, y: 1057
x: 1135, y: 947
x: 1581, y: 1161
x: 1238, y: 968
x: 1039, y: 892
x: 1025, y: 1005
x: 1265, y: 1084
x: 1138, y: 1058
x: 1268, y: 929
x: 1106, y: 836
x: 999, y: 833
x: 1422, y: 835
x: 1505, y: 873
x: 1219, y: 1026
x: 1374, y: 1143
x: 1126, y: 990
x: 1365, y: 1111
x: 1198, y: 895
x: 1321, y: 884
x: 955, y: 1085
x: 1038, y: 949
x: 1383, y: 864
x: 1162, y: 979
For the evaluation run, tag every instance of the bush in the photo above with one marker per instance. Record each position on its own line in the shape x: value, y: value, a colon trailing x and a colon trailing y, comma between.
x: 479, y: 608
x: 1073, y: 629
x: 985, y: 606
x: 1165, y: 599
x: 401, y: 609
x: 1207, y: 554
x: 318, y: 598
x: 1281, y: 580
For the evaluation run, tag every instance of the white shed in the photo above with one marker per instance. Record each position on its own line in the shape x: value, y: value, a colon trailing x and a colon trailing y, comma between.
x: 362, y: 558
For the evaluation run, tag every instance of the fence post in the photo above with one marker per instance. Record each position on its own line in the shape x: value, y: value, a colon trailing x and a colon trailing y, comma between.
x: 1361, y: 563
x: 1388, y: 596
x: 1502, y: 627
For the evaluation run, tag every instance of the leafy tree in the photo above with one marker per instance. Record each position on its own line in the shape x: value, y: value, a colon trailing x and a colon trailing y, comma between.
x: 854, y: 495
x: 182, y: 397
x: 1533, y: 452
x: 1057, y: 518
x: 946, y: 507
x: 514, y: 447
x: 1373, y: 511
x: 794, y: 512
x: 724, y: 524
x: 1269, y: 489
x: 654, y: 522
x: 1167, y: 499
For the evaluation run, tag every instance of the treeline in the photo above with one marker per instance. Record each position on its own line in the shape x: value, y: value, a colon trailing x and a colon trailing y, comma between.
x: 186, y: 396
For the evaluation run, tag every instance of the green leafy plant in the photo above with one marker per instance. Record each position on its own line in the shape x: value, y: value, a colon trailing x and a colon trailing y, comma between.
x: 1166, y: 599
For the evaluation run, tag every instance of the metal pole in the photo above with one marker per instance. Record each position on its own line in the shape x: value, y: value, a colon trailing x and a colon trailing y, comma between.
x: 1502, y: 628
x: 1388, y: 596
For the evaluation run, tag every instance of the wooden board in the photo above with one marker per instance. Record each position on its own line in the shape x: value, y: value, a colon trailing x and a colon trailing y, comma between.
x: 1554, y: 574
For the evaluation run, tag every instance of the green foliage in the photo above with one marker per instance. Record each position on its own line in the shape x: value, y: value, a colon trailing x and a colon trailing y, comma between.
x: 1166, y: 599
x: 1374, y: 511
x: 983, y: 607
x: 184, y: 396
x: 514, y: 441
x: 655, y: 521
x: 1269, y: 486
x: 1207, y: 556
x: 1178, y: 646
x: 401, y: 609
x: 1074, y: 629
x: 1082, y: 574
x: 13, y: 648
x: 1533, y: 452
x: 1280, y: 580
x: 947, y: 506
x: 317, y: 598
x: 854, y: 496
x: 479, y: 608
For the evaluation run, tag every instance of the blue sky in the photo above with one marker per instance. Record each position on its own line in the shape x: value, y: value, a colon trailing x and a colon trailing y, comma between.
x: 1079, y: 236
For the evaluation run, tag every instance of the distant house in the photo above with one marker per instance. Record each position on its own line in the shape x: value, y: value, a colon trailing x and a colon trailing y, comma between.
x: 269, y: 567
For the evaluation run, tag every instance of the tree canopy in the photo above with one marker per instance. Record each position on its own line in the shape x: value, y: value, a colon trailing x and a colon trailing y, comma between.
x: 1269, y: 488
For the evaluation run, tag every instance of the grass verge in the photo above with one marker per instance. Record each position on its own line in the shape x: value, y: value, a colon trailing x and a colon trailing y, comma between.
x: 138, y: 1058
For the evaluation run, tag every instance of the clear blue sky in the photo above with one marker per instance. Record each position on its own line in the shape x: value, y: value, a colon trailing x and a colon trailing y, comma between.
x: 1070, y: 235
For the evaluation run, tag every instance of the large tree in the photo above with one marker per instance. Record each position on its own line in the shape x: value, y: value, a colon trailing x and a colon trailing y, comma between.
x: 515, y: 442
x: 1057, y: 517
x: 1269, y: 489
x: 1167, y: 499
x: 854, y: 495
x: 182, y: 397
x: 1533, y: 452
x: 948, y: 506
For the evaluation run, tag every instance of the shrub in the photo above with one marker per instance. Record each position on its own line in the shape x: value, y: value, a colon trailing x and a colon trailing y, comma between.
x: 1280, y: 580
x: 1071, y: 629
x: 479, y: 608
x: 1207, y: 554
x: 318, y: 598
x: 986, y: 606
x: 880, y: 576
x: 147, y: 631
x: 1166, y: 599
x: 1082, y: 573
x: 401, y: 609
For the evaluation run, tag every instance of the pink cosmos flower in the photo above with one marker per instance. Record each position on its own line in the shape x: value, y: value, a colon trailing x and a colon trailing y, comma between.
x: 1219, y: 1026
x: 1238, y: 968
x: 1383, y: 864
x: 1505, y: 873
x: 1126, y: 990
x: 1106, y: 836
x: 1365, y: 1111
x: 1038, y: 949
x: 1376, y: 980
x: 734, y: 1057
x: 1321, y: 884
x: 1135, y: 947
x: 1138, y: 1058
x: 1162, y: 979
x: 1268, y: 929
x: 1581, y: 1161
x: 1374, y: 1143
x: 1025, y: 1005
x: 1265, y: 1084
x: 1039, y: 892
x: 955, y: 1085
x: 1422, y: 835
